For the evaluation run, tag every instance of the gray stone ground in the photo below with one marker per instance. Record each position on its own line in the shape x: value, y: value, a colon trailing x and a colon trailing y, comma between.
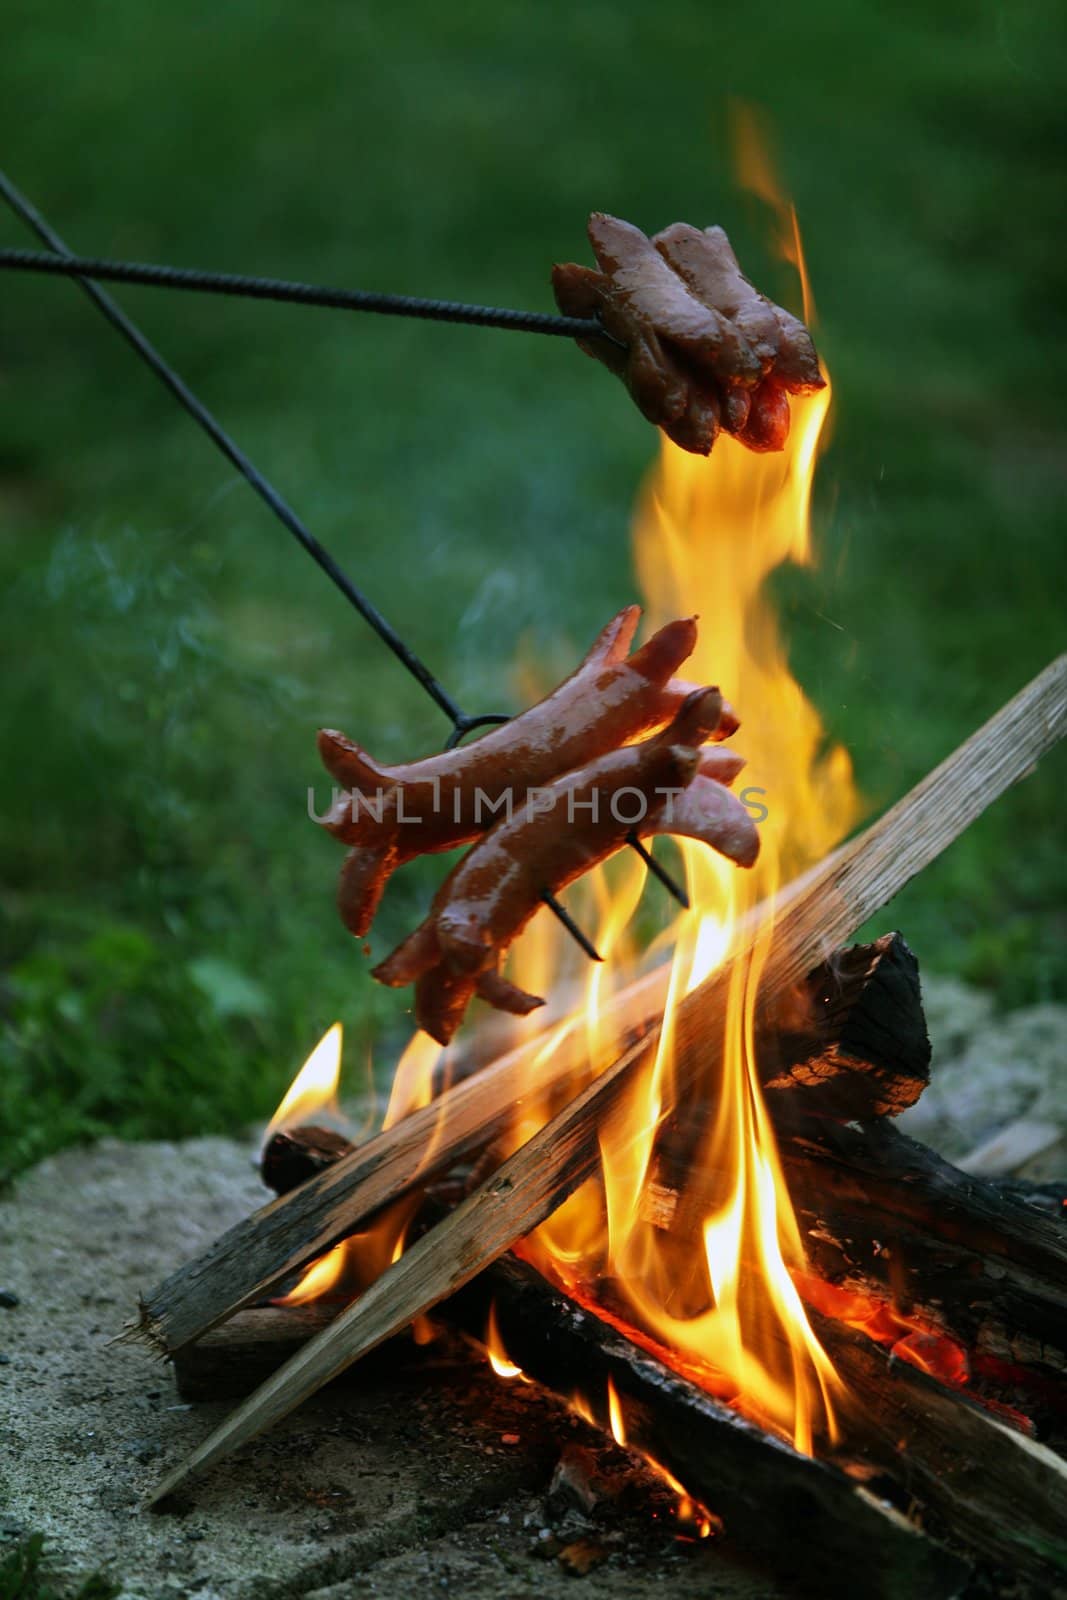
x: 377, y: 1489
x: 991, y: 1073
x: 381, y: 1489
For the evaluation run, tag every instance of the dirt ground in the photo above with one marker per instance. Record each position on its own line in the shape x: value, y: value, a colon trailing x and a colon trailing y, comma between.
x: 391, y: 1485
x: 382, y: 1488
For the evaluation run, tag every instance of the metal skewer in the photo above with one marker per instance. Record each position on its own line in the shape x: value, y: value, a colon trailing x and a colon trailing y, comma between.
x: 245, y: 287
x: 64, y: 263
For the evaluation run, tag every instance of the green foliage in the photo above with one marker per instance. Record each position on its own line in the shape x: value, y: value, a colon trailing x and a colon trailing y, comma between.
x: 21, y: 1578
x: 168, y: 950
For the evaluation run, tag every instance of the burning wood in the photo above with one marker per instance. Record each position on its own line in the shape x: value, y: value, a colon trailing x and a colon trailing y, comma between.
x: 723, y: 1460
x: 949, y: 1443
x: 821, y: 1043
x: 565, y: 1151
x: 898, y: 1241
x: 257, y: 1255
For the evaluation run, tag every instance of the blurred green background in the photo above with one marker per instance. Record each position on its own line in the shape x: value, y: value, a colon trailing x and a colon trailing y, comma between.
x: 169, y: 948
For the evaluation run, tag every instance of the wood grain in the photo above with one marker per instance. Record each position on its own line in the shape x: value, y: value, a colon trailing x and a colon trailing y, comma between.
x: 822, y: 911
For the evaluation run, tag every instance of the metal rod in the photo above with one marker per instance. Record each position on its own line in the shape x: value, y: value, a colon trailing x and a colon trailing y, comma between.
x: 65, y: 263
x: 239, y: 285
x: 215, y: 431
x: 658, y: 871
x: 560, y: 910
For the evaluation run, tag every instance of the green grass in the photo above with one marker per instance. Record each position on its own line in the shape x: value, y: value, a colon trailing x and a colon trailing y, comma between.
x: 21, y: 1577
x: 168, y: 946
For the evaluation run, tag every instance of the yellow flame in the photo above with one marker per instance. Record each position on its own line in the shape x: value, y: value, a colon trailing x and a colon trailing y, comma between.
x: 709, y: 534
x: 581, y: 1408
x: 692, y: 1516
x: 314, y: 1089
x: 354, y: 1263
x: 615, y: 1417
x: 499, y: 1359
x: 321, y: 1278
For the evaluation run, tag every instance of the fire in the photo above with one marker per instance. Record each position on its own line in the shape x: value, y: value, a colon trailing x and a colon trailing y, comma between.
x: 354, y: 1263
x: 314, y: 1089
x: 499, y: 1360
x: 615, y: 1417
x: 322, y: 1278
x: 709, y: 535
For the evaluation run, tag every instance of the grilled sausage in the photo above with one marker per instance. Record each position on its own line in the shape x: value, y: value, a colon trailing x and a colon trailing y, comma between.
x: 392, y: 814
x: 689, y: 335
x: 489, y: 897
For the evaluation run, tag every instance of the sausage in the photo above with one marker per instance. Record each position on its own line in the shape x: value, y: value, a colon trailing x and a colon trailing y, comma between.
x: 707, y: 811
x: 690, y: 336
x: 492, y: 893
x: 392, y: 814
x: 767, y: 426
x: 647, y: 295
x: 706, y: 264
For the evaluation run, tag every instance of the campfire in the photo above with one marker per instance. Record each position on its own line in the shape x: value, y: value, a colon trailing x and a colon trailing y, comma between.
x: 673, y: 1195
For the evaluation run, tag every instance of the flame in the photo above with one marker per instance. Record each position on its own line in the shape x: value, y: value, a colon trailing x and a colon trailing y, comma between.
x: 322, y: 1278
x: 314, y: 1089
x: 709, y: 535
x: 693, y: 1518
x: 354, y: 1263
x: 615, y: 1417
x: 494, y: 1345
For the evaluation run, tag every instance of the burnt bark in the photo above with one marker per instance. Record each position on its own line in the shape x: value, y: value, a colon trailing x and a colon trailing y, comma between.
x: 914, y: 1455
x: 884, y: 1215
x: 811, y: 1043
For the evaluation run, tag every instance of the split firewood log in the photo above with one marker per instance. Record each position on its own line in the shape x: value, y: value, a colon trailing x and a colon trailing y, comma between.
x: 489, y: 897
x: 698, y: 347
x: 390, y: 815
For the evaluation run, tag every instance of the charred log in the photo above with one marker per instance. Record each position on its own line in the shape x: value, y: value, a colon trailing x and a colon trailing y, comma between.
x: 910, y: 1445
x: 885, y: 1216
x: 863, y: 1002
x: 293, y: 1155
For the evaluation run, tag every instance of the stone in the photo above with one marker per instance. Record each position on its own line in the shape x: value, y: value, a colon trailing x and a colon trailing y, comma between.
x: 378, y: 1490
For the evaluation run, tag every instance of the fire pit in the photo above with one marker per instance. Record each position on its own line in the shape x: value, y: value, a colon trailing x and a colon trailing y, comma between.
x: 677, y: 1204
x: 672, y: 1197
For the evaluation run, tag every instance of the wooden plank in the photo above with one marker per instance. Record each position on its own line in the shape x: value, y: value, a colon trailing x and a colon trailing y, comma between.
x: 850, y: 1040
x: 828, y: 906
x: 973, y: 1483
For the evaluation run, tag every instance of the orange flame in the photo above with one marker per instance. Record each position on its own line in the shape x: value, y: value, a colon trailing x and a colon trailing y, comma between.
x: 615, y: 1416
x: 322, y: 1278
x: 499, y: 1360
x: 709, y: 534
x: 359, y: 1259
x: 314, y: 1089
